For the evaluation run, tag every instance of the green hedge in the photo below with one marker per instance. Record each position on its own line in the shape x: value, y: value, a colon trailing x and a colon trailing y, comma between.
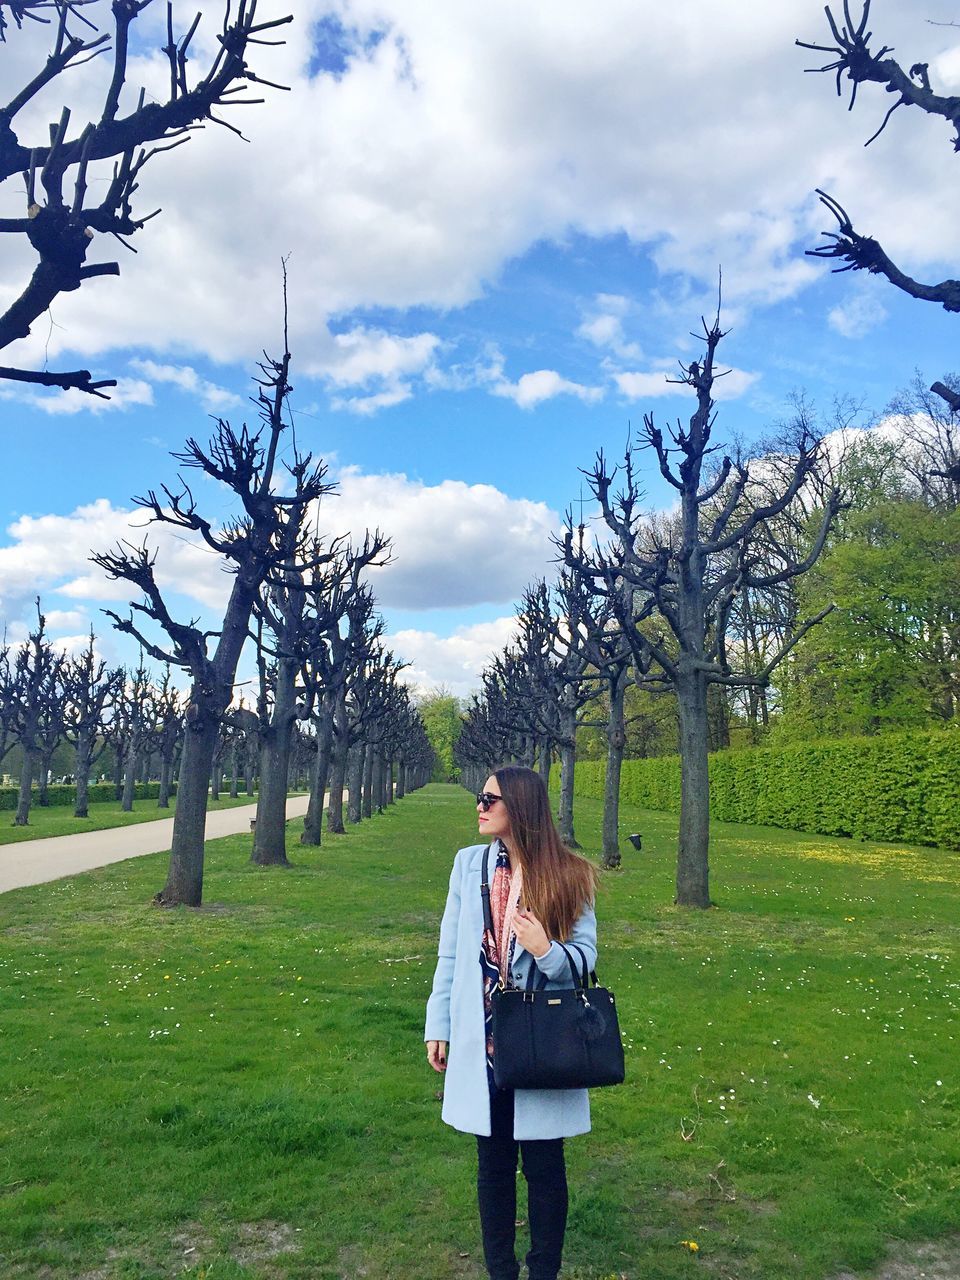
x: 897, y: 786
x: 97, y: 792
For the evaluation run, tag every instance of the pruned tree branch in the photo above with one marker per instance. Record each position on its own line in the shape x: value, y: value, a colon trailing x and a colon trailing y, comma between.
x: 863, y: 253
x: 851, y: 56
x: 79, y: 380
x: 60, y: 221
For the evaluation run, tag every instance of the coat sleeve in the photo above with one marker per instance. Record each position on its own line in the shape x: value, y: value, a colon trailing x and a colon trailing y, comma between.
x: 553, y: 964
x: 438, y: 1005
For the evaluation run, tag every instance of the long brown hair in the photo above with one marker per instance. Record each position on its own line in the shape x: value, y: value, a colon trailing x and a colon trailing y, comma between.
x: 557, y: 884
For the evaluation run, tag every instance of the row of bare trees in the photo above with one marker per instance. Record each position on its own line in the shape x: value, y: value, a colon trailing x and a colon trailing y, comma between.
x: 649, y: 598
x: 48, y: 698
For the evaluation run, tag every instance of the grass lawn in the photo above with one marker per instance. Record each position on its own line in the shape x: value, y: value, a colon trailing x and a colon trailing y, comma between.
x: 241, y: 1091
x: 58, y: 820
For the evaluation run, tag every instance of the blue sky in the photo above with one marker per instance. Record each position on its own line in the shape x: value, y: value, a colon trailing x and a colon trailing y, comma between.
x: 502, y: 225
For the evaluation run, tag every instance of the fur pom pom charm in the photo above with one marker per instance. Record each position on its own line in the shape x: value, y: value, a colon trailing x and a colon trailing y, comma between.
x: 591, y: 1021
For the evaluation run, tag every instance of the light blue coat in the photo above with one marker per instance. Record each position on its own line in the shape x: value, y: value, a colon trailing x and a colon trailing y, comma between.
x: 455, y: 1013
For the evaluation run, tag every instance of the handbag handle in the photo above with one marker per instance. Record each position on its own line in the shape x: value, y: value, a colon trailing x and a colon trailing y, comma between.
x: 579, y: 980
x: 593, y: 973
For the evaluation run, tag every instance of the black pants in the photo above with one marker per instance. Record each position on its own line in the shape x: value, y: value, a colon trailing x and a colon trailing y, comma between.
x: 546, y: 1175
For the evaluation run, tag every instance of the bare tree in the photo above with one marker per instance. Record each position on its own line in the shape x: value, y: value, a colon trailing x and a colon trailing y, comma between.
x: 552, y: 649
x: 92, y: 691
x: 50, y: 728
x: 7, y: 690
x: 36, y: 673
x: 62, y: 218
x: 369, y: 694
x: 851, y: 56
x: 340, y: 640
x: 253, y: 545
x: 138, y: 712
x: 687, y: 573
x: 168, y: 733
x: 931, y: 441
x: 607, y: 649
x: 498, y: 725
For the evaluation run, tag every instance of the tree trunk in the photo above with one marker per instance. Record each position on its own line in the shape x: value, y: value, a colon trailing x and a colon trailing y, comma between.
x: 22, y: 816
x: 185, y: 875
x: 270, y: 837
x: 568, y: 756
x: 216, y: 776
x: 313, y: 821
x: 338, y: 773
x: 368, y: 762
x: 568, y: 762
x: 693, y: 851
x: 129, y: 778
x: 616, y: 741
x: 269, y: 845
x: 388, y: 783
x: 718, y: 719
x: 377, y: 785
x: 119, y: 758
x: 401, y: 779
x: 235, y: 770
x: 166, y: 777
x: 250, y: 761
x: 82, y: 767
x: 545, y: 761
x: 43, y: 799
x: 355, y: 783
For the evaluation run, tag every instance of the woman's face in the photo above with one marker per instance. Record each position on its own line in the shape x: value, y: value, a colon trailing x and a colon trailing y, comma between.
x: 493, y: 822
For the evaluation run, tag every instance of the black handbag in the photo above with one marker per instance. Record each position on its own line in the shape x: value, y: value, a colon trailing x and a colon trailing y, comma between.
x: 561, y: 1038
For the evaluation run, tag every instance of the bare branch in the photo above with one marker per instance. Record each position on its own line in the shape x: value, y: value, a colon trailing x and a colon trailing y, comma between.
x: 862, y: 253
x: 79, y: 379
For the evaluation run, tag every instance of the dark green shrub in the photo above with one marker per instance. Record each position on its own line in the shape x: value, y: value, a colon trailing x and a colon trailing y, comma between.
x: 896, y: 786
x: 97, y: 793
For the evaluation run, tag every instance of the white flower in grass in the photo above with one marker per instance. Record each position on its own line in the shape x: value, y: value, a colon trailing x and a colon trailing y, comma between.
x: 814, y: 1102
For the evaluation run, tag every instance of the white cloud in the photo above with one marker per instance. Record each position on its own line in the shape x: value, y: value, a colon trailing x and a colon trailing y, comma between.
x: 362, y: 355
x: 466, y: 135
x: 641, y: 386
x: 454, y: 661
x: 50, y: 554
x: 532, y: 389
x: 368, y: 405
x: 454, y: 543
x: 65, y: 619
x: 733, y: 384
x: 857, y: 315
x: 604, y: 328
x: 127, y: 392
x: 72, y: 646
x: 213, y: 398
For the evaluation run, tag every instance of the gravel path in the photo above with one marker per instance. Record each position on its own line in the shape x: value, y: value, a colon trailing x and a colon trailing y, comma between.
x: 36, y: 861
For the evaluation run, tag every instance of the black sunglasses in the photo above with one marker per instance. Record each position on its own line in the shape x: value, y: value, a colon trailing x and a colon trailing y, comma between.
x: 486, y: 798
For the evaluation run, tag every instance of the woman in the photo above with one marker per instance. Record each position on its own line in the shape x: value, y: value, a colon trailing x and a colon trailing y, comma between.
x: 541, y: 894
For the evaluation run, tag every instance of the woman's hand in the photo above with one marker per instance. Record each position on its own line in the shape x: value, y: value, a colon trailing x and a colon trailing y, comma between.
x: 531, y: 934
x: 437, y: 1054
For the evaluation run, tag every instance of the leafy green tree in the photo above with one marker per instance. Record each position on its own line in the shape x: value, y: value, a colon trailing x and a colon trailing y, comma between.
x: 442, y: 716
x: 888, y: 657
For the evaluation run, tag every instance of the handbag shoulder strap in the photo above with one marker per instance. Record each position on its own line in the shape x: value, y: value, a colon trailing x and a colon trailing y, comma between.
x: 485, y: 891
x: 583, y: 961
